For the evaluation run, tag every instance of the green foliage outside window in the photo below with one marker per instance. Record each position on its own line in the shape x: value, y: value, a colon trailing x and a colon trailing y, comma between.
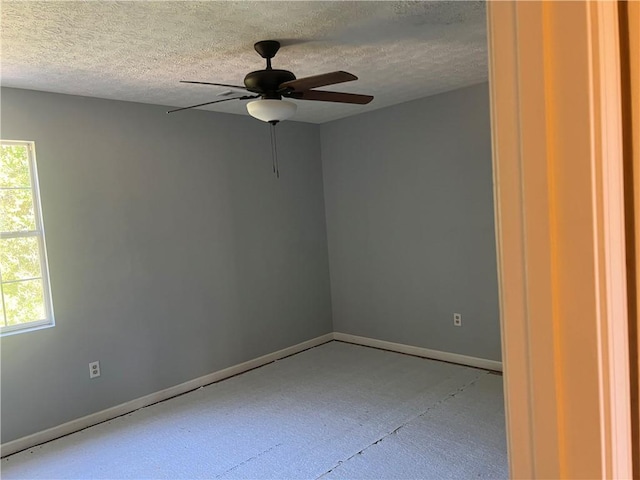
x: 22, y: 292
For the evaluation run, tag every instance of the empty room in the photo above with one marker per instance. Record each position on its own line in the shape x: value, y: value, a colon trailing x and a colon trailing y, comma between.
x: 294, y: 277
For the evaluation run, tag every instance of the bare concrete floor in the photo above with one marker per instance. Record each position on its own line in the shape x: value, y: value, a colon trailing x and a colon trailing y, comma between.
x: 335, y: 411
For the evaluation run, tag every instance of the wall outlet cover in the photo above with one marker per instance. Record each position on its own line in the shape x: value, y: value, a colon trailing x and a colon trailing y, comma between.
x: 94, y: 369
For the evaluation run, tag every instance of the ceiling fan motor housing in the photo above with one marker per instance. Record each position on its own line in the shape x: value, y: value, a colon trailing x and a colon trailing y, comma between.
x: 267, y: 82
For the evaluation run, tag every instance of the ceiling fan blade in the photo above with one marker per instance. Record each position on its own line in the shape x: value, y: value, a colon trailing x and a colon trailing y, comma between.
x: 307, y: 83
x: 331, y: 97
x: 215, y: 84
x: 246, y: 97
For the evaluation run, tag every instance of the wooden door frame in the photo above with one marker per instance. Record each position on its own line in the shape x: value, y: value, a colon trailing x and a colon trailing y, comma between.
x: 554, y: 70
x: 629, y: 13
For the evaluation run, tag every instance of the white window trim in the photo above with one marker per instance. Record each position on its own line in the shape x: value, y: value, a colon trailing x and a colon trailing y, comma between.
x: 49, y: 321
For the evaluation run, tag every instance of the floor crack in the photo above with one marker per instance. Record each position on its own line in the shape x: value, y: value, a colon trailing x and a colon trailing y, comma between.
x: 255, y: 457
x: 396, y: 430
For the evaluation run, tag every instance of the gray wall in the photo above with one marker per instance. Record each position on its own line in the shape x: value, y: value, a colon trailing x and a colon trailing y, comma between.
x: 173, y: 251
x: 409, y: 205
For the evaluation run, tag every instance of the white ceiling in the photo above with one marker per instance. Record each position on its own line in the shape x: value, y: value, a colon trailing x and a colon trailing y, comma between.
x: 138, y: 51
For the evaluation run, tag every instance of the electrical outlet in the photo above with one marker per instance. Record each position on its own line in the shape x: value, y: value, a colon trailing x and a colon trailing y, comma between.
x: 94, y: 369
x: 457, y: 319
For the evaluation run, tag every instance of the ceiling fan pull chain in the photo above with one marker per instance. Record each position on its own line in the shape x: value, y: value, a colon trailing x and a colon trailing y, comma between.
x: 273, y: 154
x: 274, y: 150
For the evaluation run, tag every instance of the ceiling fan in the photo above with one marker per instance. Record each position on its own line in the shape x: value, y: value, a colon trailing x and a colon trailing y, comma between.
x: 271, y: 85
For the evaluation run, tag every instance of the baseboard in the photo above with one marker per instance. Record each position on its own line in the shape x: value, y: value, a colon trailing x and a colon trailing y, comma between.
x: 420, y: 351
x: 128, y: 407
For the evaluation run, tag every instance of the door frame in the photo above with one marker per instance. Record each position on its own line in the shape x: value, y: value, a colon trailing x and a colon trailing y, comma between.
x: 554, y: 77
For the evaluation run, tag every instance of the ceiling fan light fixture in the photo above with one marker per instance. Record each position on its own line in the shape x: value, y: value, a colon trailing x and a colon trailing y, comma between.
x: 271, y: 110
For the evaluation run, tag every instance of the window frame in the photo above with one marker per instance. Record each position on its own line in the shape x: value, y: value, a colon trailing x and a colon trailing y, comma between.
x: 49, y: 321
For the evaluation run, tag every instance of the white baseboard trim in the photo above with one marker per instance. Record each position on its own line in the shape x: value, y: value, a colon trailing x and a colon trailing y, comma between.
x: 420, y: 351
x: 102, y: 416
x: 128, y: 407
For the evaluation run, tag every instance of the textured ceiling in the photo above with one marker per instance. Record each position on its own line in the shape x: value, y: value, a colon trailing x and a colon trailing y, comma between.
x: 138, y: 51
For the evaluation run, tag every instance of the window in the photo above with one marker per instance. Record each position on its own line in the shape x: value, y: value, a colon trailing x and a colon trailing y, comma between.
x: 24, y: 279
